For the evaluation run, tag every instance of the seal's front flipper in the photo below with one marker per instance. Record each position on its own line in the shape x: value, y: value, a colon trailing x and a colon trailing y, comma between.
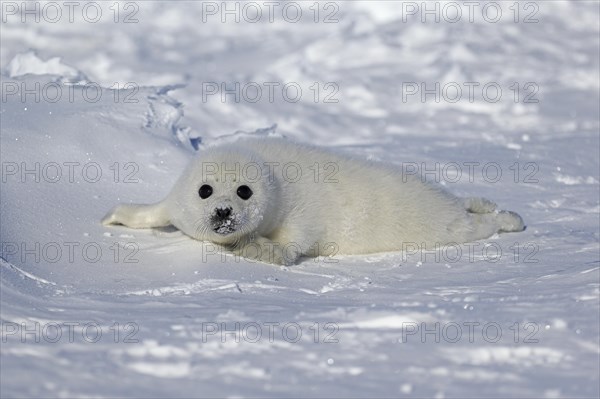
x: 138, y: 216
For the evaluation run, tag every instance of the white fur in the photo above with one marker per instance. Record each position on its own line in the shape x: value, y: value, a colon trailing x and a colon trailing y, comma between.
x: 350, y: 206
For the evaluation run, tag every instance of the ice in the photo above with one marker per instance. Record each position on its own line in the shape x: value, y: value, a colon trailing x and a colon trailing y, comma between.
x: 153, y: 313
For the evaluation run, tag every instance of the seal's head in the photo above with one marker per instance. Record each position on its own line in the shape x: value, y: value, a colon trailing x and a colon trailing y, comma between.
x: 223, y: 197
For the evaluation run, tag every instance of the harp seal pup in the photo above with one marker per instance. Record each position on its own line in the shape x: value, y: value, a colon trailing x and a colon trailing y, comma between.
x: 275, y: 200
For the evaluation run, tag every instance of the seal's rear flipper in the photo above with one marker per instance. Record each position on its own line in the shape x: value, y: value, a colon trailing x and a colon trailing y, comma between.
x: 479, y: 205
x: 510, y: 221
x: 138, y: 216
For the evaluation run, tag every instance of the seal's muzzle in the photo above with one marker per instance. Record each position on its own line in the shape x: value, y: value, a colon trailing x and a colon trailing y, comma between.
x: 223, y: 220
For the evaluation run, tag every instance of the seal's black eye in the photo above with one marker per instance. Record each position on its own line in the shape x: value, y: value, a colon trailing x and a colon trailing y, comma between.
x: 205, y: 191
x: 244, y: 192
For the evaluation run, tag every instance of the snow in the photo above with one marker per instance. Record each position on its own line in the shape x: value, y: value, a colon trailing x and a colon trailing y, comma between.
x: 89, y: 311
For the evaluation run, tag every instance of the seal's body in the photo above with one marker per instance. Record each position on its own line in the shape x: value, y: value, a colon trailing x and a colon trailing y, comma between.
x: 276, y: 200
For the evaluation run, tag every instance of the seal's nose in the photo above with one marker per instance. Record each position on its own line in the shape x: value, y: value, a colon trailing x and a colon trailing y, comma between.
x: 223, y: 213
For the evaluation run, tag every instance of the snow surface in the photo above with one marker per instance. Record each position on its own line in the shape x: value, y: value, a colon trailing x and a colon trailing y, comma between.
x: 368, y: 322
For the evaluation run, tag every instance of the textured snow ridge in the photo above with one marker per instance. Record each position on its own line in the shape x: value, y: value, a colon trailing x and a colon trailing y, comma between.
x: 95, y: 114
x: 29, y: 63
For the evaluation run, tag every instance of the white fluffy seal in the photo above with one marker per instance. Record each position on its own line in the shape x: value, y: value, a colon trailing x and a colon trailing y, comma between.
x: 275, y: 200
